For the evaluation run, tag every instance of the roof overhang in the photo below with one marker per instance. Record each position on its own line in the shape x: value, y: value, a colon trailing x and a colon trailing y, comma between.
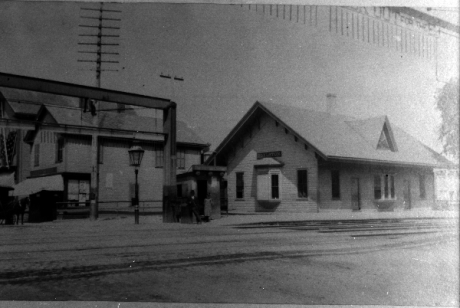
x: 268, y: 162
x: 209, y: 168
x: 429, y: 18
x: 35, y: 185
x: 292, y: 131
x: 337, y: 159
x: 198, y: 169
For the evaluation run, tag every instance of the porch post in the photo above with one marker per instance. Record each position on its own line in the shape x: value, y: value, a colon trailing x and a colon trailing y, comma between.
x: 169, y: 166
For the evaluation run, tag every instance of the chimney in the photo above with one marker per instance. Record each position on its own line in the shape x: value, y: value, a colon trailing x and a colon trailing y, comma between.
x: 331, y: 103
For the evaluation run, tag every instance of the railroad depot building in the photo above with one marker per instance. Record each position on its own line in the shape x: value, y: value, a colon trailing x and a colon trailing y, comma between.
x: 282, y: 158
x: 54, y: 165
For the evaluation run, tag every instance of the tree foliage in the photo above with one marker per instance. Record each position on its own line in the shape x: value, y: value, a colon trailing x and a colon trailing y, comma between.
x: 447, y: 101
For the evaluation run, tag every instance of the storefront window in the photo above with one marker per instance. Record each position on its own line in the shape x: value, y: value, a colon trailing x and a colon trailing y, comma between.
x: 78, y: 191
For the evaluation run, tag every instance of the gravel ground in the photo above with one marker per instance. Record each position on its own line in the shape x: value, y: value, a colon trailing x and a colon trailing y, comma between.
x: 239, y: 259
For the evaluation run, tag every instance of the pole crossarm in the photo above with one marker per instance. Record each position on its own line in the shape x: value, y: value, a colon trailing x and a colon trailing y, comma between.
x: 75, y: 90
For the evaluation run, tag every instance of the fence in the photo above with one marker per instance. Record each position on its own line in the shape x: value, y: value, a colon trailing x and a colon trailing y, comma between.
x: 117, y: 207
x: 121, y: 207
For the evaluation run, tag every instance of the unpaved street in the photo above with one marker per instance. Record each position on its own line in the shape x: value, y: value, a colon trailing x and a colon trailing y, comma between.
x: 388, y: 262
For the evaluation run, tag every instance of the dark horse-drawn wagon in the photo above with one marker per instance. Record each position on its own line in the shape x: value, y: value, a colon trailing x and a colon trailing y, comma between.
x: 13, y: 211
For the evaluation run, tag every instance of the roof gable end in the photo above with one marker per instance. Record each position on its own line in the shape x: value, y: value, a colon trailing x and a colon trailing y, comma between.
x: 387, y: 140
x: 45, y: 116
x: 254, y: 112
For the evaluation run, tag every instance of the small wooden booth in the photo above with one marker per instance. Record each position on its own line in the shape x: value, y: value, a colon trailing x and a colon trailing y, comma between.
x: 203, y: 180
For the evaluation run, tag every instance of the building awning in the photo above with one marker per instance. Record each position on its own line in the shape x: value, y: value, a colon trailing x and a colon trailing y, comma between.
x: 7, y: 180
x: 34, y: 185
x: 268, y: 162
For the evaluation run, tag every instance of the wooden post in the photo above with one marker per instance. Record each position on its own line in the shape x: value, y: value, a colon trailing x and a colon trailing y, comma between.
x: 93, y: 194
x: 169, y: 166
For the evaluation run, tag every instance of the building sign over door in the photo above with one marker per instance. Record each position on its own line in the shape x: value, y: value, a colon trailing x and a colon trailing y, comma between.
x: 269, y: 154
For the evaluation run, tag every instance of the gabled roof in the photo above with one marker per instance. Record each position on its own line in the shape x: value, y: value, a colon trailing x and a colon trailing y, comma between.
x: 340, y: 137
x: 115, y: 120
x: 12, y: 94
x: 25, y: 108
x: 373, y: 129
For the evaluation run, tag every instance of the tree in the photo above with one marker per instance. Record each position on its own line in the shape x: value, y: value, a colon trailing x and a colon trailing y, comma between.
x: 447, y: 101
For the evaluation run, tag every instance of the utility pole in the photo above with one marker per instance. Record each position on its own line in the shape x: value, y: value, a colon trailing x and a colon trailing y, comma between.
x: 170, y: 151
x: 100, y: 32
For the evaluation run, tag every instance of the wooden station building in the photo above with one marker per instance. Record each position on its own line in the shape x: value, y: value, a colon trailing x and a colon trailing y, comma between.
x: 281, y: 158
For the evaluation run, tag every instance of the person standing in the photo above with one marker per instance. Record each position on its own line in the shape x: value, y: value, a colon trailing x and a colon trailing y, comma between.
x: 207, y: 207
x: 177, y: 210
x: 193, y: 206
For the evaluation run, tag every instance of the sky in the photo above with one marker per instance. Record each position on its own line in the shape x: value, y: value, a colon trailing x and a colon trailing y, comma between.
x: 229, y: 58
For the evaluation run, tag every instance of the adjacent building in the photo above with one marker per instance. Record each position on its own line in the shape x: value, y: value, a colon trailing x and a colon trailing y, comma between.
x: 281, y: 158
x: 447, y: 188
x: 52, y: 156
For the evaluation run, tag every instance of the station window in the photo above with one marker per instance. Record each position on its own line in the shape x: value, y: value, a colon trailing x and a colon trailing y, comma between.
x: 302, y: 185
x: 275, y: 186
x: 335, y: 184
x: 239, y: 185
x: 384, y: 187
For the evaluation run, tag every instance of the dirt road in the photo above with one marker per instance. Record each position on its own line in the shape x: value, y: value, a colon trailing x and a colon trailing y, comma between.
x: 380, y: 262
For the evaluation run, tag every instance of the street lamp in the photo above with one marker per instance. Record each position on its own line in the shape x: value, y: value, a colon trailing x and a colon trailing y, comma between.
x: 135, y: 158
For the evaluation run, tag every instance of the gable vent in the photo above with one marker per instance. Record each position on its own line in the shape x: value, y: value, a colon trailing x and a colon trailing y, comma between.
x: 386, y: 141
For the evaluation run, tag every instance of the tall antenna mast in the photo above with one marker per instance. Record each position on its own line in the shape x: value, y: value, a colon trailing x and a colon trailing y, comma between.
x: 98, y: 39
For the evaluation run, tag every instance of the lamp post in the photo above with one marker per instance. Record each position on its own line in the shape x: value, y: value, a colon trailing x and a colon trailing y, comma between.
x: 135, y: 158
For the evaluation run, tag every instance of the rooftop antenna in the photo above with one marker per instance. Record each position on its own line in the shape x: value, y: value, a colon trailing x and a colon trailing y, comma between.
x: 98, y: 39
